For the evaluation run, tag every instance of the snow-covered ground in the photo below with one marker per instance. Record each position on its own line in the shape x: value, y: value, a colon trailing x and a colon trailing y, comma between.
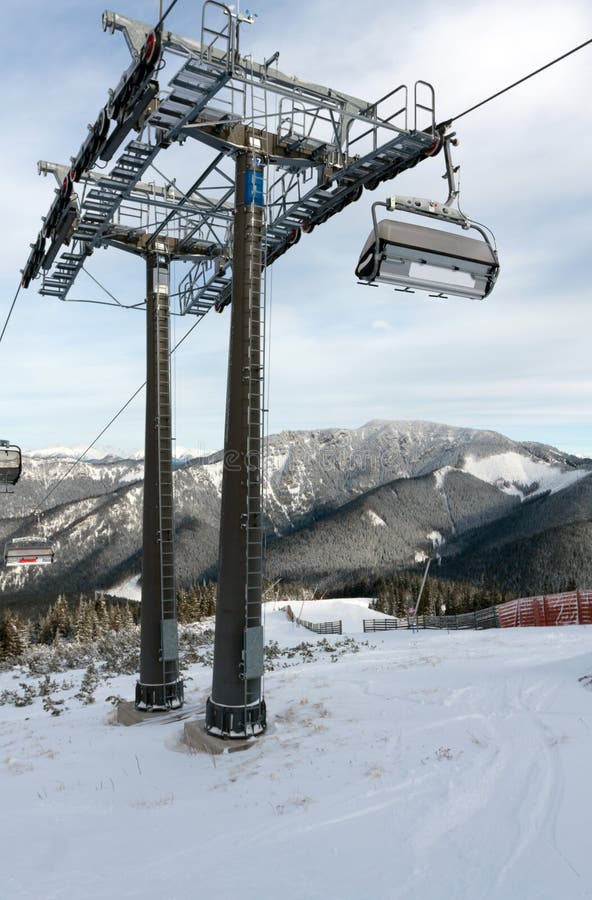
x: 432, y: 766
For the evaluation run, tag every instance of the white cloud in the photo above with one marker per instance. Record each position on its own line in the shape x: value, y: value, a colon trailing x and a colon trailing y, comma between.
x: 341, y: 353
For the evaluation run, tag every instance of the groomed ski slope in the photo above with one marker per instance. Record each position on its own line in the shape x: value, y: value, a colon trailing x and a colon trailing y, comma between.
x: 432, y: 766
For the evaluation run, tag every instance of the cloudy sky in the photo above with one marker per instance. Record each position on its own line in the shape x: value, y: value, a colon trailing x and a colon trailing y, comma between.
x: 342, y: 354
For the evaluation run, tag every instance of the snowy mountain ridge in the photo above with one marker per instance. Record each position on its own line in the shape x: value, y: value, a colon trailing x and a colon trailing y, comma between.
x: 338, y: 502
x: 109, y: 454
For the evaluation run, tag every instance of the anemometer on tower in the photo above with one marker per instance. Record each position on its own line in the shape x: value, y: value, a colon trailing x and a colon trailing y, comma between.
x: 285, y: 156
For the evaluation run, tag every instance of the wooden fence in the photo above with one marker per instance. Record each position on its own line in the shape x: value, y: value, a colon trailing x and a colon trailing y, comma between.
x: 569, y: 608
x: 384, y: 624
x: 480, y: 618
x: 317, y: 627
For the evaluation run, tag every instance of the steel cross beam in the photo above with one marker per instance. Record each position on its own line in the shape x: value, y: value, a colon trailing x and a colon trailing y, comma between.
x: 158, y: 208
x: 316, y: 135
x: 323, y: 144
x: 144, y: 193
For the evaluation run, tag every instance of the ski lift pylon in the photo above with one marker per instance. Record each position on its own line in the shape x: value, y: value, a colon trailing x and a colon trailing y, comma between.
x: 10, y: 464
x: 28, y: 551
x: 413, y: 257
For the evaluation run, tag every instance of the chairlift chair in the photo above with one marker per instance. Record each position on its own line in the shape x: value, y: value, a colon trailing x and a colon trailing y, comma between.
x: 414, y: 257
x: 28, y: 551
x: 10, y: 464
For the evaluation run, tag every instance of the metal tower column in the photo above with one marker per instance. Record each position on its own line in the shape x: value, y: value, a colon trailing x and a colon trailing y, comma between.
x: 236, y: 707
x: 159, y: 685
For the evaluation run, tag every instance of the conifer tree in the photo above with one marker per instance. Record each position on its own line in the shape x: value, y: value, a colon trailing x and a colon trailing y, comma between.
x: 102, y: 614
x: 115, y: 620
x: 85, y: 625
x: 13, y: 636
x: 88, y: 685
x: 56, y: 623
x: 127, y: 618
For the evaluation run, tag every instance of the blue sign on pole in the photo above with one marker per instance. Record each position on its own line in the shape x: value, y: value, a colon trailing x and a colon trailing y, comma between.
x: 254, y: 188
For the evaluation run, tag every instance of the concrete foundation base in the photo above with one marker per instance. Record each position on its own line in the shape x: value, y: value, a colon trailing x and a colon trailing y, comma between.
x: 196, y: 737
x: 127, y: 714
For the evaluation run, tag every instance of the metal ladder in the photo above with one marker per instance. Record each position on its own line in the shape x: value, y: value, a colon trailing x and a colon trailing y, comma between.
x: 166, y: 526
x: 254, y: 377
x: 97, y: 209
x: 191, y: 90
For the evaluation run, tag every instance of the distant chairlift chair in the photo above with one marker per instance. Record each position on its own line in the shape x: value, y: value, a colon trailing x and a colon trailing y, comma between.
x: 28, y: 551
x: 10, y: 465
x: 430, y: 259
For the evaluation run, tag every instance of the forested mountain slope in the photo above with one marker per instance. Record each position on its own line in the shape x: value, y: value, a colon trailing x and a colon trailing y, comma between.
x: 339, y: 502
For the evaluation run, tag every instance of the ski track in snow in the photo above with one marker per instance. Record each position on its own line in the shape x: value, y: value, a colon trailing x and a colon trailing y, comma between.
x: 539, y: 804
x: 427, y: 766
